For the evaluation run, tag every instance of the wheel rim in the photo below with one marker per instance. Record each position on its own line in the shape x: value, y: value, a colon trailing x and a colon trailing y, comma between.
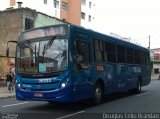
x: 139, y: 86
x: 98, y: 94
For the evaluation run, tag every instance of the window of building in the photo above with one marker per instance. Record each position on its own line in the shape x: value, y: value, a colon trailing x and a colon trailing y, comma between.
x: 83, y: 2
x: 29, y: 24
x: 56, y: 4
x: 156, y: 70
x: 12, y: 2
x: 89, y: 18
x: 90, y: 5
x: 83, y: 15
x: 45, y: 1
x: 64, y: 5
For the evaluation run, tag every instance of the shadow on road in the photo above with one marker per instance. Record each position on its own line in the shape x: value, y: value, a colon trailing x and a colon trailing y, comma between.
x: 78, y: 106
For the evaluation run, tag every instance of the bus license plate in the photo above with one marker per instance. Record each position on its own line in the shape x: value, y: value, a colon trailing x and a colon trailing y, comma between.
x: 38, y: 94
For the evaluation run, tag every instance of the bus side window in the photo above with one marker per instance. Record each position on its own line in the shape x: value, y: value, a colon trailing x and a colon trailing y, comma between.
x: 81, y: 55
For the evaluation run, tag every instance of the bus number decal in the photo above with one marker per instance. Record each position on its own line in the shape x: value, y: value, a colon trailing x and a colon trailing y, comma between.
x: 100, y: 68
x: 44, y: 80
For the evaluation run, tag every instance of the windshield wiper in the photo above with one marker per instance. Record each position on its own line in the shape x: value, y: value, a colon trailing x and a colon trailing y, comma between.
x: 35, y: 54
x: 47, y: 46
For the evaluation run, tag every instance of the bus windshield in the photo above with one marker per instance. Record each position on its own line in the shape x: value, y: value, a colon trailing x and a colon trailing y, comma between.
x: 45, y: 55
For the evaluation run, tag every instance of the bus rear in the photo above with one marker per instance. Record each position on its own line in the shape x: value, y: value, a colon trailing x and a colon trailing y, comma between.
x: 41, y: 65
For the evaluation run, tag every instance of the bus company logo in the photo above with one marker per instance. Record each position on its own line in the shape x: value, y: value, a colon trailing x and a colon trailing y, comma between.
x: 27, y: 86
x: 45, y: 80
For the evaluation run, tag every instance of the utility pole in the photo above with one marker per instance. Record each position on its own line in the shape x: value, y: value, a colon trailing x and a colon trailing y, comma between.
x: 149, y: 42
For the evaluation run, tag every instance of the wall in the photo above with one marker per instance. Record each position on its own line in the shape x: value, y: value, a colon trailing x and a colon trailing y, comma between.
x: 43, y: 20
x: 11, y: 26
x: 63, y: 13
x: 88, y: 11
x: 12, y: 22
x: 3, y: 69
x: 75, y: 12
x: 71, y: 13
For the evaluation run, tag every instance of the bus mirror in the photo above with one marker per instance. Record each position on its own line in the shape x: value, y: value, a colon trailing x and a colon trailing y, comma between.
x: 7, y: 52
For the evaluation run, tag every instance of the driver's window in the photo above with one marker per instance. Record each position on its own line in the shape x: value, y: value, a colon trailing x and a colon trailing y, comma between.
x: 26, y: 52
x: 81, y: 54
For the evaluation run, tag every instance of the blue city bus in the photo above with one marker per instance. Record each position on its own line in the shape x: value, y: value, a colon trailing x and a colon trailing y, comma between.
x: 67, y: 63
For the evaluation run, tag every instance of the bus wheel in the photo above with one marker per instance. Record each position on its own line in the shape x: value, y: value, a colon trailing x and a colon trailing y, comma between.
x: 50, y: 102
x: 139, y: 87
x: 98, y: 93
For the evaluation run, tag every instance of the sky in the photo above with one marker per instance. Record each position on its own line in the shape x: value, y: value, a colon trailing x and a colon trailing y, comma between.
x: 136, y: 19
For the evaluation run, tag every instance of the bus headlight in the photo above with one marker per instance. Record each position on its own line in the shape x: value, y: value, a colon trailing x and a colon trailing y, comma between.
x: 65, y: 83
x: 19, y: 85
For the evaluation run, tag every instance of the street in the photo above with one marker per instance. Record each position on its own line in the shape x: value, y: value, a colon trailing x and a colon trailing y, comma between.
x: 146, y: 102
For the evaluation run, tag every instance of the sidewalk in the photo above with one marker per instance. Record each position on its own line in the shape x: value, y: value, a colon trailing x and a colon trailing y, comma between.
x: 4, y: 93
x: 155, y: 76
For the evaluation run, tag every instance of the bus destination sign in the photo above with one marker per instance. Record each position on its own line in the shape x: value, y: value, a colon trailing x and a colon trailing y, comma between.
x: 45, y: 32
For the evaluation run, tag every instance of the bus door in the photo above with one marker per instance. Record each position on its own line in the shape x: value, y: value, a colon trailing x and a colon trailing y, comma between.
x: 81, y: 66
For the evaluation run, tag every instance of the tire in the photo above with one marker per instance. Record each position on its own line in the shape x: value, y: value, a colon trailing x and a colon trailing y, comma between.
x: 139, y: 87
x: 98, y: 94
x: 50, y: 102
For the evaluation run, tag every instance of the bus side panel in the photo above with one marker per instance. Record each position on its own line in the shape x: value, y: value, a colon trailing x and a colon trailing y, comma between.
x: 135, y: 73
x: 82, y: 76
x: 146, y: 79
x: 110, y: 78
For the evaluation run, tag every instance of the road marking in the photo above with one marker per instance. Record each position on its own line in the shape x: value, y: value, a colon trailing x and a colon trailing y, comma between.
x: 15, y: 104
x: 70, y: 115
x: 144, y: 94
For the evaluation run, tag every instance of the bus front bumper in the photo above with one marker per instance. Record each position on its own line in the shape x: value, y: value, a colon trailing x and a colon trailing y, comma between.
x: 58, y: 95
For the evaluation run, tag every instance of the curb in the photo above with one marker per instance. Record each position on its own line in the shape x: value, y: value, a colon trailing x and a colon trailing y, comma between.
x: 155, y: 79
x: 12, y: 96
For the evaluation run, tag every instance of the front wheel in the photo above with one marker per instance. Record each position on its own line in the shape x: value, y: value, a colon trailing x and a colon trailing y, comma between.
x: 98, y: 94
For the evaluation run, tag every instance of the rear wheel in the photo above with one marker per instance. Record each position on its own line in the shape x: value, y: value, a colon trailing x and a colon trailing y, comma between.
x: 139, y: 87
x: 98, y: 93
x: 50, y: 102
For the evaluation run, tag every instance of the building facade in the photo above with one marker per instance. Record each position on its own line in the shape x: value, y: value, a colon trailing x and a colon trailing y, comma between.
x: 78, y: 12
x: 14, y: 21
x: 155, y: 60
x: 88, y: 13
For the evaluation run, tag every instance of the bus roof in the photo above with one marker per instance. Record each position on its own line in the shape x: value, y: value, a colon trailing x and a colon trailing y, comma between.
x: 95, y: 34
x: 108, y: 37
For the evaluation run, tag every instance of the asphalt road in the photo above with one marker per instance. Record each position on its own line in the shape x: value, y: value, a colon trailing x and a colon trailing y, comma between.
x: 128, y: 106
